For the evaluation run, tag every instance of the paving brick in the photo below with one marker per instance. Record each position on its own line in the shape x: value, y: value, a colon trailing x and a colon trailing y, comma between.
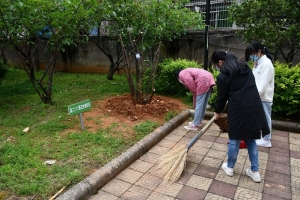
x: 190, y: 167
x: 280, y: 133
x: 183, y: 179
x: 220, y: 147
x: 209, y: 138
x: 156, y: 196
x: 198, y: 150
x: 279, y: 151
x: 205, y: 144
x: 103, y: 195
x: 295, y: 162
x: 173, y: 137
x: 194, y: 157
x: 223, y: 189
x: 243, y: 193
x: 295, y: 182
x: 215, y: 132
x: 150, y: 157
x: 141, y: 166
x: 294, y: 154
x: 129, y: 175
x: 247, y: 182
x: 116, y: 187
x: 234, y: 180
x: 279, y: 159
x: 296, y: 193
x: 295, y: 141
x: 159, y: 150
x: 278, y: 167
x: 271, y: 197
x: 148, y: 181
x: 191, y: 193
x: 206, y: 171
x: 136, y: 193
x: 295, y: 171
x: 212, y: 162
x: 199, y: 182
x: 211, y: 196
x: 282, y: 179
x: 280, y: 138
x: 264, y: 149
x: 295, y: 147
x: 222, y: 140
x: 280, y: 144
x: 216, y: 154
x: 169, y: 190
x: 277, y: 190
x: 166, y: 143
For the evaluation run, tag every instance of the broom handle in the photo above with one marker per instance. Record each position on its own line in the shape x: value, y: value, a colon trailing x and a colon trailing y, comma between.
x: 195, y: 138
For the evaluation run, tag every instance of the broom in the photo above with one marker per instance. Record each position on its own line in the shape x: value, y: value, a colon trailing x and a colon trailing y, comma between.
x: 172, y: 164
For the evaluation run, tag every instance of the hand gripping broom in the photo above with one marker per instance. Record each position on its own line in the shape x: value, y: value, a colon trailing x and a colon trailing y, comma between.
x: 171, y: 165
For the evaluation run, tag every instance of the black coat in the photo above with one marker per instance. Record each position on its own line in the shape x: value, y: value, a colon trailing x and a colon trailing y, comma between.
x: 246, y: 117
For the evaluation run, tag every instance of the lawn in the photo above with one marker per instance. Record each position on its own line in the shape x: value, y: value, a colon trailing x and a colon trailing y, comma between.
x: 23, y: 154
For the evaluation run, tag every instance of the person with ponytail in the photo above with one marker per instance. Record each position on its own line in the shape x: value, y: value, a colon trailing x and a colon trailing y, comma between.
x: 264, y: 75
x: 246, y: 119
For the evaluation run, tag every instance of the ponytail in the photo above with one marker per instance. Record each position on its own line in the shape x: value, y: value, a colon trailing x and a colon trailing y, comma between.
x: 232, y: 64
x: 254, y: 47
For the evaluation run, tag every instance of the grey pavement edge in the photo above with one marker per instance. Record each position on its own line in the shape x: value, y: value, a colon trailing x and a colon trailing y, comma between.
x: 87, y: 187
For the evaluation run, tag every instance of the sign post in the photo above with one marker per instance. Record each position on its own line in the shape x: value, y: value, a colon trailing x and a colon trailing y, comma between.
x: 78, y: 108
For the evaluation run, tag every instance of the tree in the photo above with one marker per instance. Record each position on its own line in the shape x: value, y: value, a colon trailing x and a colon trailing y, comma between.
x: 26, y: 25
x: 160, y: 19
x: 141, y: 26
x: 276, y: 23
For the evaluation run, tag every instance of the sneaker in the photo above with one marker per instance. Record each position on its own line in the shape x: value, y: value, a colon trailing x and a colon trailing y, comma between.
x: 191, y: 123
x: 191, y: 127
x: 254, y: 175
x: 227, y: 170
x: 263, y: 143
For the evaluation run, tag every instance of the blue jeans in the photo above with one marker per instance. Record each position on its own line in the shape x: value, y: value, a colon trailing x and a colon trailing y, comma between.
x: 201, y: 104
x: 233, y: 151
x: 268, y: 109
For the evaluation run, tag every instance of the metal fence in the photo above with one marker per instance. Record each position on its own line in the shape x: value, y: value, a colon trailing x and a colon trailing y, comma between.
x: 218, y: 12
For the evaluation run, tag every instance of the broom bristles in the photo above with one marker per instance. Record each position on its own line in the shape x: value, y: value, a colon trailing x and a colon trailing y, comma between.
x: 172, y: 164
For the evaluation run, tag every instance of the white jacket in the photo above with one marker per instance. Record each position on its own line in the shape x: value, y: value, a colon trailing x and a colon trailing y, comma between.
x: 264, y: 74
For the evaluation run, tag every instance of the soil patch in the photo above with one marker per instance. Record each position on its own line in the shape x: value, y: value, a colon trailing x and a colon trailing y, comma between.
x: 121, y: 110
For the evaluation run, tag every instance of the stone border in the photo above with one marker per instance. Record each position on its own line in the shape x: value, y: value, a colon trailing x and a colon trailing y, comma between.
x: 89, y: 186
x: 278, y: 125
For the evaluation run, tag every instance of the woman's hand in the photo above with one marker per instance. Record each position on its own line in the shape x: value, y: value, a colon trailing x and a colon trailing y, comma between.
x: 217, y: 115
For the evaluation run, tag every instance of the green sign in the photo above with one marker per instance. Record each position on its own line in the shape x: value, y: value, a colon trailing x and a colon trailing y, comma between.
x: 79, y: 107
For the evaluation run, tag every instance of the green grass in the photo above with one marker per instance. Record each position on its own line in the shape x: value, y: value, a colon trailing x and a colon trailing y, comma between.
x: 22, y: 154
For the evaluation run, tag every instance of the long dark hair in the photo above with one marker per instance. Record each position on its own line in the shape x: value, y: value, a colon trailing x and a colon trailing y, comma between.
x: 232, y: 64
x: 254, y: 47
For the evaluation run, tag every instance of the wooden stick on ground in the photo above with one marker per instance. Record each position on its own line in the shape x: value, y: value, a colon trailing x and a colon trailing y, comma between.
x: 60, y: 191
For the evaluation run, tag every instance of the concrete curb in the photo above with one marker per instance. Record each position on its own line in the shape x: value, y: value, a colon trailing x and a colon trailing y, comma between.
x: 99, y: 178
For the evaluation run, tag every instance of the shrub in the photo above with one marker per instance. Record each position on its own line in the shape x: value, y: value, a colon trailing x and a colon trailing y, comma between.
x: 165, y: 81
x: 287, y: 89
x: 287, y: 85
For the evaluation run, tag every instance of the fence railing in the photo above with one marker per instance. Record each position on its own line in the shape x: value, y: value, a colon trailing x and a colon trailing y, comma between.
x: 218, y: 12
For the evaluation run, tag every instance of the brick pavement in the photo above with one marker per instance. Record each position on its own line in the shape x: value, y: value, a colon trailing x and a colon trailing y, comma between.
x: 203, y: 177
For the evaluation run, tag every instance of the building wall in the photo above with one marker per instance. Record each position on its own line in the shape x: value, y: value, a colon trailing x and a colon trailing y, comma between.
x: 87, y: 58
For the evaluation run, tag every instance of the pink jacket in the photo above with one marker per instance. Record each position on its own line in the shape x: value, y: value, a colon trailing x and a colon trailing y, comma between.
x: 198, y: 81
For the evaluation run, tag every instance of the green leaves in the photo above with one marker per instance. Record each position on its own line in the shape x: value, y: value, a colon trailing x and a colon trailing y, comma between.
x: 287, y: 89
x: 272, y: 22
